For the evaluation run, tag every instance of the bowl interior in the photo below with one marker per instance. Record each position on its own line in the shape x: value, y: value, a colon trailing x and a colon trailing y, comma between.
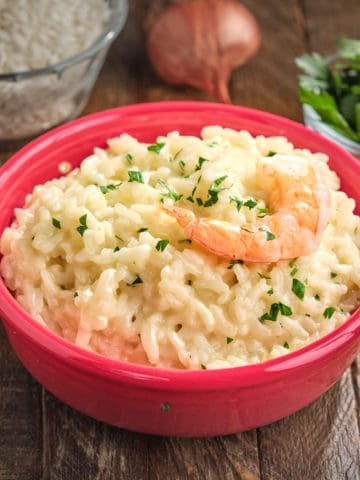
x: 39, y: 161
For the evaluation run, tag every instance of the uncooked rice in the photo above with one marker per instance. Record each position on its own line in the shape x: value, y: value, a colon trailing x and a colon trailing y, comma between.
x: 37, y: 34
x: 94, y: 257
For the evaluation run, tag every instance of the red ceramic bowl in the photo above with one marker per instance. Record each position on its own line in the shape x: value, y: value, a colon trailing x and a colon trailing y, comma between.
x: 164, y: 401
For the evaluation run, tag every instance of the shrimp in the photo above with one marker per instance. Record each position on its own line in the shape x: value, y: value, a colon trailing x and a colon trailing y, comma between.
x: 298, y: 202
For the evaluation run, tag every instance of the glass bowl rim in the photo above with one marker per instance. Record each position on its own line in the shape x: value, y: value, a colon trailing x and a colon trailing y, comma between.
x: 118, y: 16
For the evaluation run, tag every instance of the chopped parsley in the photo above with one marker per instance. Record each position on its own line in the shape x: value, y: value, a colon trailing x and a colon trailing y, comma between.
x: 298, y: 288
x: 270, y: 291
x: 76, y: 294
x: 271, y: 153
x: 156, y: 147
x: 203, y: 367
x: 292, y: 262
x: 275, y: 309
x: 317, y: 297
x: 191, y: 197
x: 214, y: 190
x: 269, y: 235
x: 286, y: 345
x: 329, y: 312
x: 143, y: 229
x: 229, y: 340
x: 262, y: 275
x: 107, y: 188
x: 262, y: 212
x: 83, y: 224
x: 56, y: 223
x: 129, y: 157
x: 294, y: 271
x: 201, y: 160
x: 170, y: 193
x: 237, y: 201
x: 333, y: 274
x: 135, y: 176
x: 136, y: 281
x: 250, y: 203
x: 161, y: 245
x: 116, y: 249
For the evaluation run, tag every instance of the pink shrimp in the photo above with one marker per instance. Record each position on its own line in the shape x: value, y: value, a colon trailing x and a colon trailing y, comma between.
x: 298, y: 202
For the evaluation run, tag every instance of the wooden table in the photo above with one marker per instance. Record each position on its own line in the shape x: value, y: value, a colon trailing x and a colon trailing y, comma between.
x: 41, y: 438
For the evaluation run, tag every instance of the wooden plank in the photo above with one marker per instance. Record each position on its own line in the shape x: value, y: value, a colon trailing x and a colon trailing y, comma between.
x: 325, y: 21
x: 226, y: 458
x: 20, y: 418
x: 76, y: 446
x: 321, y: 442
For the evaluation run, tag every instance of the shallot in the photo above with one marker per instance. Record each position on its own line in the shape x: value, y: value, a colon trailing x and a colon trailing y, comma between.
x: 200, y: 43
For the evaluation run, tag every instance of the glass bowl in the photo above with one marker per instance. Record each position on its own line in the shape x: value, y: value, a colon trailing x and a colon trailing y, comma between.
x: 157, y: 400
x: 313, y: 121
x: 34, y: 101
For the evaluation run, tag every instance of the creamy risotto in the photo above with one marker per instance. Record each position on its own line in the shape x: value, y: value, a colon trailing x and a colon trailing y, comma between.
x: 100, y: 257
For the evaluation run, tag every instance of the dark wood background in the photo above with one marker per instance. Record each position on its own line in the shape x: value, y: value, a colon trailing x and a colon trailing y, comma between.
x: 41, y: 438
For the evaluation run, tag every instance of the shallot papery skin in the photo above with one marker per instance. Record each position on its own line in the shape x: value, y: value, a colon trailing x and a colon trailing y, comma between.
x: 201, y: 42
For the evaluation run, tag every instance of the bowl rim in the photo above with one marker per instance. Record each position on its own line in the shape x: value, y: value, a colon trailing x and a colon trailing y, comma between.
x: 156, y: 378
x: 117, y: 19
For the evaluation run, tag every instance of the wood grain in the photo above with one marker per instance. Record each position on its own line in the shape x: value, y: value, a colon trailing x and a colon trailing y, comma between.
x: 43, y: 439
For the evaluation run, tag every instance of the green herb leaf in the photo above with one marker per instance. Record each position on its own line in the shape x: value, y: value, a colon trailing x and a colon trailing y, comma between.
x: 143, y: 229
x: 250, y: 203
x: 161, y: 245
x: 237, y: 201
x: 116, y: 249
x: 129, y: 157
x: 286, y: 345
x: 107, y: 188
x: 135, y: 176
x: 56, y: 223
x: 136, y: 281
x: 170, y: 192
x: 298, y: 288
x: 214, y: 190
x: 329, y: 312
x: 83, y: 224
x: 269, y: 235
x: 275, y: 309
x: 201, y: 160
x: 156, y: 147
x: 229, y: 340
x: 271, y: 153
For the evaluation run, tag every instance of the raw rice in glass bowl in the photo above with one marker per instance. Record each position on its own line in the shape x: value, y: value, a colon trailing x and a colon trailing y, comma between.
x: 47, y: 80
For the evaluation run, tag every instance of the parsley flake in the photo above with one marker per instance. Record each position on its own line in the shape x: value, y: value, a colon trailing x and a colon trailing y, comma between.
x: 229, y: 340
x: 269, y: 235
x: 250, y: 203
x: 129, y: 157
x: 136, y: 281
x: 170, y: 192
x: 83, y: 224
x: 271, y: 153
x: 237, y: 201
x: 329, y: 312
x: 298, y: 288
x: 286, y: 345
x: 275, y: 309
x: 56, y: 223
x: 135, y: 176
x: 161, y: 245
x: 201, y: 160
x: 156, y: 147
x: 107, y: 188
x: 214, y: 190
